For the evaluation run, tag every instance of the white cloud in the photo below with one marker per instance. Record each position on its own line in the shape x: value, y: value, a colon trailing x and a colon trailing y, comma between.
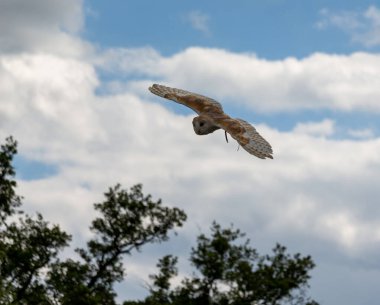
x: 319, y: 195
x: 370, y: 37
x: 131, y: 61
x: 57, y: 118
x: 362, y: 26
x: 323, y: 128
x: 43, y: 93
x: 82, y: 133
x: 346, y: 20
x: 42, y: 26
x: 199, y: 21
x: 320, y: 81
x: 361, y: 133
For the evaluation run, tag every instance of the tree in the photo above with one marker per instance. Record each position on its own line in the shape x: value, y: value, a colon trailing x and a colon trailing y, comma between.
x: 27, y: 245
x: 232, y: 272
x: 128, y: 221
x: 9, y: 201
x: 160, y: 290
x: 31, y: 271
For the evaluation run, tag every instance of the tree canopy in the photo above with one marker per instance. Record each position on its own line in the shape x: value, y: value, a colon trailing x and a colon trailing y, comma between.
x: 230, y: 271
x: 227, y: 269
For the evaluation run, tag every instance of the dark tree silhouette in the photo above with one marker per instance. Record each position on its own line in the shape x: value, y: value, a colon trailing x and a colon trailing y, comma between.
x: 30, y: 269
x: 128, y: 221
x: 230, y: 271
x: 27, y: 244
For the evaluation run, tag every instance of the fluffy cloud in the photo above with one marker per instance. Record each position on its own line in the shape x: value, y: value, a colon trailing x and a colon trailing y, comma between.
x: 324, y: 128
x: 98, y: 140
x: 41, y: 26
x: 362, y: 26
x: 319, y: 195
x: 41, y: 93
x: 361, y: 133
x: 320, y: 81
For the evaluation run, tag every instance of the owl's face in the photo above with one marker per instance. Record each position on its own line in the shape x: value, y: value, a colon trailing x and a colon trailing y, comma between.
x: 203, y: 125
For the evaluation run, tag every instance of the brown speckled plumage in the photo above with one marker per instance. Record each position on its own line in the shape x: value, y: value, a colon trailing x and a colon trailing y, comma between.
x: 212, y: 117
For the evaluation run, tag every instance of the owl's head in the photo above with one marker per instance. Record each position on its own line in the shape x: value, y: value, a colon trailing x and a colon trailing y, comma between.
x: 203, y: 125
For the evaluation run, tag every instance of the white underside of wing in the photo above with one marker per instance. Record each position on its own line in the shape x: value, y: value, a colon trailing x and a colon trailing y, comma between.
x: 256, y: 145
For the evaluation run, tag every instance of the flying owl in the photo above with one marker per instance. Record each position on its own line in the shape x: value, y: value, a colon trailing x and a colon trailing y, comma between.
x: 211, y: 117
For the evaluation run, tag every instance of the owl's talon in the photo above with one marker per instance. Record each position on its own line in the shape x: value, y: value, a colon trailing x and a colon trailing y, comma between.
x: 225, y: 133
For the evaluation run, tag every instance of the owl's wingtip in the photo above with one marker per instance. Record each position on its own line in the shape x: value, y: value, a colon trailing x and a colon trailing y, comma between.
x: 153, y: 88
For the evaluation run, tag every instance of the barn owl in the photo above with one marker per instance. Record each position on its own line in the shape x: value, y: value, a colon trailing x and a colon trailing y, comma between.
x: 211, y: 117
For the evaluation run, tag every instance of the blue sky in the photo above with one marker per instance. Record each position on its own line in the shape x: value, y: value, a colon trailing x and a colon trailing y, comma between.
x: 271, y: 29
x: 73, y: 88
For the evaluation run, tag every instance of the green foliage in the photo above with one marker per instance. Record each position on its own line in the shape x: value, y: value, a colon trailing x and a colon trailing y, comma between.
x: 27, y: 244
x: 9, y: 201
x: 30, y: 269
x: 128, y: 221
x: 230, y: 271
x: 160, y: 290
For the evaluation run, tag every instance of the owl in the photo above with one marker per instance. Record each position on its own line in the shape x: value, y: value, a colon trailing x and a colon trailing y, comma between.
x: 211, y: 117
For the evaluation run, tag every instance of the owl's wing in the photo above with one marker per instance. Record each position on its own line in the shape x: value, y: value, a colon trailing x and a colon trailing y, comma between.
x: 199, y: 103
x: 247, y: 137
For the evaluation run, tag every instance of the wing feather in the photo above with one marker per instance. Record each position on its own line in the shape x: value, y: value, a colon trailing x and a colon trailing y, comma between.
x: 246, y: 135
x: 198, y: 103
x: 243, y: 132
x: 253, y: 142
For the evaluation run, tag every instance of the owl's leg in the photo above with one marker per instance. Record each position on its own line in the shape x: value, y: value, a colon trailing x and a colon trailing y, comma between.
x: 225, y: 133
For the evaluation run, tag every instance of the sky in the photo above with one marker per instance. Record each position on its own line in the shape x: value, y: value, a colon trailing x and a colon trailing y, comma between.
x: 73, y: 92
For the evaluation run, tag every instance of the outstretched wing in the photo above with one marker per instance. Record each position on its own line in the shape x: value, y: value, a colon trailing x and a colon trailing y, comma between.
x: 247, y: 136
x: 240, y: 130
x: 199, y: 103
